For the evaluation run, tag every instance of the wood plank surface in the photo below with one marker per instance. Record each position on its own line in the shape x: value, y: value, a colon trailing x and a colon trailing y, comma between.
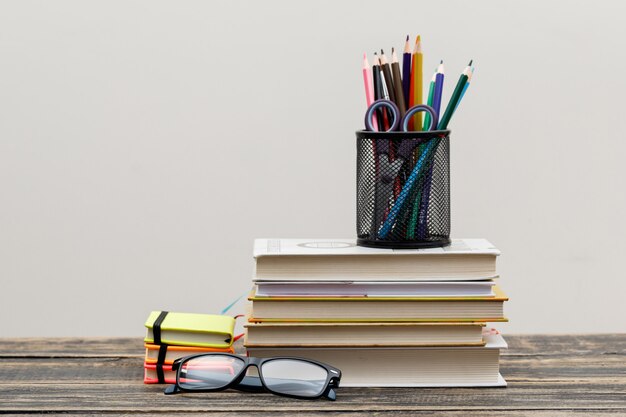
x: 547, y: 376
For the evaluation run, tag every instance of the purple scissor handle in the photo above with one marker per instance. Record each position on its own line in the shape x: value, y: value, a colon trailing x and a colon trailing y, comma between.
x: 402, y: 123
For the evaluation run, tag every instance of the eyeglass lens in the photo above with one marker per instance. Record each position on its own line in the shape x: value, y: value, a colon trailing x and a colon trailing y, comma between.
x: 294, y: 377
x: 209, y: 372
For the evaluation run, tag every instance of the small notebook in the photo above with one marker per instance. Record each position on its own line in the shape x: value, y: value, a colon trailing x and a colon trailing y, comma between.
x: 151, y: 376
x: 174, y: 352
x: 191, y: 329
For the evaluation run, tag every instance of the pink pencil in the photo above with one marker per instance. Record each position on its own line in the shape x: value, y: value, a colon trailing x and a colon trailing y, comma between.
x: 369, y: 85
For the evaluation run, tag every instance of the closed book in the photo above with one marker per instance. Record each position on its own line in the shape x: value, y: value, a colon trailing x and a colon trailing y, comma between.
x: 407, y: 367
x: 191, y: 329
x: 174, y: 352
x: 379, y: 309
x: 151, y: 376
x: 363, y: 334
x: 151, y: 372
x: 375, y: 288
x: 342, y: 259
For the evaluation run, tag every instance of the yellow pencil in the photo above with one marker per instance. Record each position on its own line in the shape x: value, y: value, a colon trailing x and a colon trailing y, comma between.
x: 417, y: 82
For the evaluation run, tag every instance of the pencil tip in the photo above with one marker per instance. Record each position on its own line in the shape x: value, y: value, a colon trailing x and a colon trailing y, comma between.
x: 382, y: 52
x: 441, y: 61
x: 470, y: 64
x: 419, y: 39
x: 393, y: 49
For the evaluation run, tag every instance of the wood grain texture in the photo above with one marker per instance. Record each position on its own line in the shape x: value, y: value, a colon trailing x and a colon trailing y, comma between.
x: 547, y: 375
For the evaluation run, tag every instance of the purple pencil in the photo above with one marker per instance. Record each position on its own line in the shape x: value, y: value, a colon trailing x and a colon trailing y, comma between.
x: 423, y: 207
x: 406, y: 71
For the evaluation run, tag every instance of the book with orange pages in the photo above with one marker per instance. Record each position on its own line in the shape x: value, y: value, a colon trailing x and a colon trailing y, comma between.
x: 168, y: 375
x: 174, y: 352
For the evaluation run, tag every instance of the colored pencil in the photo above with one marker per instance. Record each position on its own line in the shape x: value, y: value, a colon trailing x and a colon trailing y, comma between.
x: 425, y: 158
x: 440, y: 76
x: 397, y: 82
x: 377, y: 90
x: 386, y: 69
x: 369, y: 86
x: 416, y: 83
x: 410, y: 230
x: 383, y: 94
x: 406, y: 70
x: 469, y: 79
x: 431, y: 91
x: 420, y: 207
x: 368, y: 81
x: 398, y: 98
x: 383, y: 84
x: 454, y: 100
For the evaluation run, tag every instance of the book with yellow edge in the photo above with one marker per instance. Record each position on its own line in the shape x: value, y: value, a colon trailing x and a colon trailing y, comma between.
x: 379, y: 309
x: 191, y: 329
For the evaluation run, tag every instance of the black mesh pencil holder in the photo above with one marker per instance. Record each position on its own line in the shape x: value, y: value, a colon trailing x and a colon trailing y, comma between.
x: 403, y: 189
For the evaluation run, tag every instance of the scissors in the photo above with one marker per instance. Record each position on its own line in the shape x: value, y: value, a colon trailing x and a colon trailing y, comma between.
x: 388, y: 168
x: 395, y: 112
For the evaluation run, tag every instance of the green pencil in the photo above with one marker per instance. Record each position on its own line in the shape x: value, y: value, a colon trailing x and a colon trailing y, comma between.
x: 431, y: 93
x: 456, y: 96
x: 410, y: 231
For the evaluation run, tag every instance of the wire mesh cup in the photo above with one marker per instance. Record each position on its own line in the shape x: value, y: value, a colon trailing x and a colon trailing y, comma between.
x: 403, y: 189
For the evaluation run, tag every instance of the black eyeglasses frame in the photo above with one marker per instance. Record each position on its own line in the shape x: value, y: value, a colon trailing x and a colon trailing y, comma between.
x: 257, y: 384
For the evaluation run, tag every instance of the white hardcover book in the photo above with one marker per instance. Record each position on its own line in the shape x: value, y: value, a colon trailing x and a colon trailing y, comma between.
x: 342, y: 259
x: 408, y: 367
x: 375, y: 288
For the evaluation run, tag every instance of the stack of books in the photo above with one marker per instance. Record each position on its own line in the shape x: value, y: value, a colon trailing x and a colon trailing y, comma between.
x: 173, y: 335
x: 384, y: 317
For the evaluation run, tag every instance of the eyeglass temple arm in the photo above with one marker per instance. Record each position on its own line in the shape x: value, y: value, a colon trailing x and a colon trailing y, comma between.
x: 171, y: 389
x: 330, y: 392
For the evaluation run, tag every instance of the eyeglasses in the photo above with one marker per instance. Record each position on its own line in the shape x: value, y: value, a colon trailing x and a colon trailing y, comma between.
x: 290, y: 377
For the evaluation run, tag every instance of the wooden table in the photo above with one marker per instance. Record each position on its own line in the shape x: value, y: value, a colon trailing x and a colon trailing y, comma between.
x: 547, y: 375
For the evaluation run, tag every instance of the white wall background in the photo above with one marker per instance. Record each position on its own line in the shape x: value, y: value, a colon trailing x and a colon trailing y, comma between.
x: 144, y: 144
